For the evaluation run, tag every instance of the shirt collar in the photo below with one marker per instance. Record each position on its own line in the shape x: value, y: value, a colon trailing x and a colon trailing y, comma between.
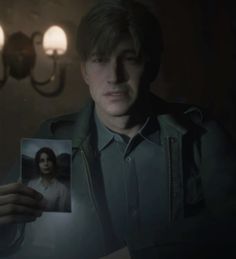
x: 104, y: 136
x: 151, y: 130
x: 147, y: 131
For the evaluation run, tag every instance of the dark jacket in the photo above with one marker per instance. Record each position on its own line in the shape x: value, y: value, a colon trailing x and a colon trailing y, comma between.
x: 196, y: 149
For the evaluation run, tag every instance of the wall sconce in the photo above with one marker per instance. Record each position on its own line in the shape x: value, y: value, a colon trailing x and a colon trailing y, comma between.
x: 19, y: 57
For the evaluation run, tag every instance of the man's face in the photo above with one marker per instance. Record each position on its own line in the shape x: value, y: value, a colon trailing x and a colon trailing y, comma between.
x: 114, y: 82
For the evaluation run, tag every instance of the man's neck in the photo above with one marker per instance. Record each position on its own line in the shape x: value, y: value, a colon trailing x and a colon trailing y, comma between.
x: 127, y: 125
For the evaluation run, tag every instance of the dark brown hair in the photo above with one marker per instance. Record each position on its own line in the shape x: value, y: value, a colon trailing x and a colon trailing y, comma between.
x: 108, y: 21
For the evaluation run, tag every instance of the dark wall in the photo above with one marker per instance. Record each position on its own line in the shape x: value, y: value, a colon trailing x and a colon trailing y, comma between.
x: 197, y: 64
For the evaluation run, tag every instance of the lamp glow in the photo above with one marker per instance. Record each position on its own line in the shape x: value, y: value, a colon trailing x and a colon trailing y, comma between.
x: 2, y: 38
x: 55, y: 41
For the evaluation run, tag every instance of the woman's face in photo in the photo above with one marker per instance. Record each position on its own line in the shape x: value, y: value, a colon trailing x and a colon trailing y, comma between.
x: 45, y: 164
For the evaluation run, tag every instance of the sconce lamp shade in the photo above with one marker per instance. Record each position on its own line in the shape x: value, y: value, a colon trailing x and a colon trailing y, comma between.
x: 2, y: 38
x: 55, y: 41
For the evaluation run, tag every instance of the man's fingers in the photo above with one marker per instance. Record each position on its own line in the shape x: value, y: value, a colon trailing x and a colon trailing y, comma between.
x: 19, y: 203
x: 19, y: 188
x: 13, y: 209
x: 16, y: 219
x: 19, y: 199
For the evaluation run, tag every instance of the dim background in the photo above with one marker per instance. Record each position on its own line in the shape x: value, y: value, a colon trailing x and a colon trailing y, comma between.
x: 198, y: 64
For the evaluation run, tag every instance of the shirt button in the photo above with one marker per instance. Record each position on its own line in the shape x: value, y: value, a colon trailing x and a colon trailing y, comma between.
x: 134, y: 213
x: 128, y: 159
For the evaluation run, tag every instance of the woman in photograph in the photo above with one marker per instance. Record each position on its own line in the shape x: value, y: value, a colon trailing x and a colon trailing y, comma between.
x: 56, y: 194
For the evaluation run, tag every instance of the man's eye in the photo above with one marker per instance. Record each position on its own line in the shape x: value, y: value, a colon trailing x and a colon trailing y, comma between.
x: 132, y: 59
x: 99, y: 60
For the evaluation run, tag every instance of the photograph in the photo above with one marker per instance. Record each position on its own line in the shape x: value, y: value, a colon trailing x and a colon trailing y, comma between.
x: 46, y: 167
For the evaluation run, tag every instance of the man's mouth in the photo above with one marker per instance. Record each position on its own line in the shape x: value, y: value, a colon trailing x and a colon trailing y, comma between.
x: 116, y: 93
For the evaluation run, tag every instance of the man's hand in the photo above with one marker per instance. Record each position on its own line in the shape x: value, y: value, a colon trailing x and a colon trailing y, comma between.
x: 19, y: 204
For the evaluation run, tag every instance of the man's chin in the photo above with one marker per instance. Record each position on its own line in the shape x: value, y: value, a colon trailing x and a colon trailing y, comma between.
x: 114, y: 110
x: 117, y: 112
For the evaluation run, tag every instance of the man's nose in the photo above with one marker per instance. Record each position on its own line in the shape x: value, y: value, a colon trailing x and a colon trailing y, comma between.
x: 117, y: 73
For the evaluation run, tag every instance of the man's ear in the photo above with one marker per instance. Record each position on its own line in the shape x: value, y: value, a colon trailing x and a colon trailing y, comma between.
x: 84, y: 72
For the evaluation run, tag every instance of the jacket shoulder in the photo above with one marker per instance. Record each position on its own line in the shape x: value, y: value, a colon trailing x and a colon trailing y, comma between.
x: 194, y: 119
x: 66, y: 126
x: 179, y: 112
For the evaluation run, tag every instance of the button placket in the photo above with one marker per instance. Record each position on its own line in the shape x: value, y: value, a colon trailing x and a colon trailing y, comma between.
x: 132, y: 195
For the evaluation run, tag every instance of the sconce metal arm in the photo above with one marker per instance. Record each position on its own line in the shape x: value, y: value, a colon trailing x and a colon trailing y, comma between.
x: 37, y: 83
x: 51, y: 77
x: 5, y: 75
x: 54, y: 59
x: 62, y: 75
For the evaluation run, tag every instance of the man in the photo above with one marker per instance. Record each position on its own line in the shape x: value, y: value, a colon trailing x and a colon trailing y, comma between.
x: 153, y: 176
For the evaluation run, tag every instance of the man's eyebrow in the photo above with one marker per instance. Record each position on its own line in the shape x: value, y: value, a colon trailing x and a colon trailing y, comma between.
x: 129, y: 51
x: 123, y: 52
x: 93, y: 54
x: 98, y: 55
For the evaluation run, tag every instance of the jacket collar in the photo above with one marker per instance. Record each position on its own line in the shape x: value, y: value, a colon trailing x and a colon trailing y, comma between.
x: 104, y: 135
x: 177, y: 116
x: 83, y: 124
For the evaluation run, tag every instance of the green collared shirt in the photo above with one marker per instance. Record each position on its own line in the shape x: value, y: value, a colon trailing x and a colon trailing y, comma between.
x: 135, y: 179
